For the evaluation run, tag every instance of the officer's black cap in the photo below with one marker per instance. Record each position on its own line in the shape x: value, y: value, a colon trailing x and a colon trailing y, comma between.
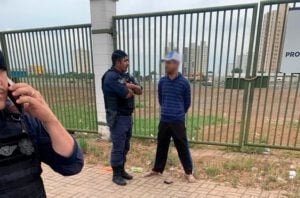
x: 2, y: 62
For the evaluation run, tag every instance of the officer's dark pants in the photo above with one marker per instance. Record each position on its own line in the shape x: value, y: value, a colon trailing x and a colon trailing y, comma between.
x: 178, y: 132
x: 120, y: 136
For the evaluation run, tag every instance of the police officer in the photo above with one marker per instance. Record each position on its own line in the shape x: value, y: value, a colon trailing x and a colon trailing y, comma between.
x: 29, y: 138
x: 119, y: 89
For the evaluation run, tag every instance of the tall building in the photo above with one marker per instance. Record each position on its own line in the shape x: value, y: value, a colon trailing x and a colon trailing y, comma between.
x: 81, y: 61
x: 195, y: 61
x: 271, y: 34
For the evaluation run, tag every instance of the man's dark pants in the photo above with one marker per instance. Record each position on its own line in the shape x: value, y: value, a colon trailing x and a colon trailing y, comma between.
x: 120, y: 135
x: 178, y: 132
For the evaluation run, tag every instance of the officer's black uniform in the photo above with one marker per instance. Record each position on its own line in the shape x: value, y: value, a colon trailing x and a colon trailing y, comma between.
x: 20, y: 167
x: 118, y: 115
x: 24, y: 144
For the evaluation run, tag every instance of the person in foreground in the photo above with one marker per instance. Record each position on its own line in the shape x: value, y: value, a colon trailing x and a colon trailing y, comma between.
x: 119, y: 89
x: 174, y: 95
x: 29, y: 138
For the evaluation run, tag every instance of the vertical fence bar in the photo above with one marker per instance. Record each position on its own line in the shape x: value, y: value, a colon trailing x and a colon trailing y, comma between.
x: 205, y: 93
x: 201, y: 68
x: 172, y: 33
x: 293, y: 111
x: 194, y: 79
x: 134, y: 66
x: 144, y: 74
x: 213, y: 76
x: 155, y: 74
x: 149, y: 74
x: 119, y: 34
x: 219, y: 78
x: 139, y: 69
x: 297, y: 132
x: 178, y: 31
x: 183, y: 43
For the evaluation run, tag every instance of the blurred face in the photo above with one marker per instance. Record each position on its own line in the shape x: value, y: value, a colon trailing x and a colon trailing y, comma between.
x: 3, y: 88
x: 171, y: 66
x: 123, y: 64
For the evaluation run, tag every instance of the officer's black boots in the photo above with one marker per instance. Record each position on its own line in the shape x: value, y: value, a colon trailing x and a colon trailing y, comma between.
x: 125, y: 175
x: 117, y: 176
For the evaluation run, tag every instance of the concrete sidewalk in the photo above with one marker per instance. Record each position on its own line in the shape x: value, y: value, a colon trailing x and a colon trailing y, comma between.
x: 93, y: 182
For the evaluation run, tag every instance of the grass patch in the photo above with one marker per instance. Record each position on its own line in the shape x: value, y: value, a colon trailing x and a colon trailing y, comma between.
x: 295, y: 124
x: 139, y: 104
x: 83, y: 144
x: 76, y: 117
x: 240, y: 165
x: 212, y: 171
x: 93, y: 151
x: 246, y: 149
x: 252, y: 149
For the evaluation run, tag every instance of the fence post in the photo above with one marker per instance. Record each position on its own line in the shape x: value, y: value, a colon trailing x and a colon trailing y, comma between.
x: 245, y: 130
x: 250, y: 84
x: 102, y: 12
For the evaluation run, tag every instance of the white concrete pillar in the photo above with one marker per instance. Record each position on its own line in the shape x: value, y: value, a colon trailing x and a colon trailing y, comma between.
x: 102, y: 12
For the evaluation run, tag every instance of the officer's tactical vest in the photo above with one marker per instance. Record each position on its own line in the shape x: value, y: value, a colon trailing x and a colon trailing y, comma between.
x: 112, y: 103
x: 20, y: 166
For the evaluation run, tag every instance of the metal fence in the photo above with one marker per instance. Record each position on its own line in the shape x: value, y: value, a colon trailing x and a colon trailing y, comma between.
x: 273, y: 118
x: 57, y: 61
x: 231, y: 56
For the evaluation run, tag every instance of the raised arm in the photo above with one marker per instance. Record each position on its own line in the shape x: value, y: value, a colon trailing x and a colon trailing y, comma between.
x: 34, y: 104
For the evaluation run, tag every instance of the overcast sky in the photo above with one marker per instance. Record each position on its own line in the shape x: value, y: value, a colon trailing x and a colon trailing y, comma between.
x: 23, y: 14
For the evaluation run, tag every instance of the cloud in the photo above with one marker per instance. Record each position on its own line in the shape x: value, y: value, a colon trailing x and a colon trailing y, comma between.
x: 139, y: 6
x: 20, y: 14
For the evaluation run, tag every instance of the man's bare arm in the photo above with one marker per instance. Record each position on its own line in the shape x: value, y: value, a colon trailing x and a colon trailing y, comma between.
x: 137, y: 90
x: 36, y: 106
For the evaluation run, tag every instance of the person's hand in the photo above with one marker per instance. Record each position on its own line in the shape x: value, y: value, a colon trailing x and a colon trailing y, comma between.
x: 135, y: 88
x: 33, y: 102
x: 130, y: 86
x: 130, y: 93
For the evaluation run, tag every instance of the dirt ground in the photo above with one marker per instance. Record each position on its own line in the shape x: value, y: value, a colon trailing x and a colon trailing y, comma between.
x: 249, y: 168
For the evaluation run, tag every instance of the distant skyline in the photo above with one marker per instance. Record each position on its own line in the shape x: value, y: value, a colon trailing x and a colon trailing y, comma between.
x: 20, y: 14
